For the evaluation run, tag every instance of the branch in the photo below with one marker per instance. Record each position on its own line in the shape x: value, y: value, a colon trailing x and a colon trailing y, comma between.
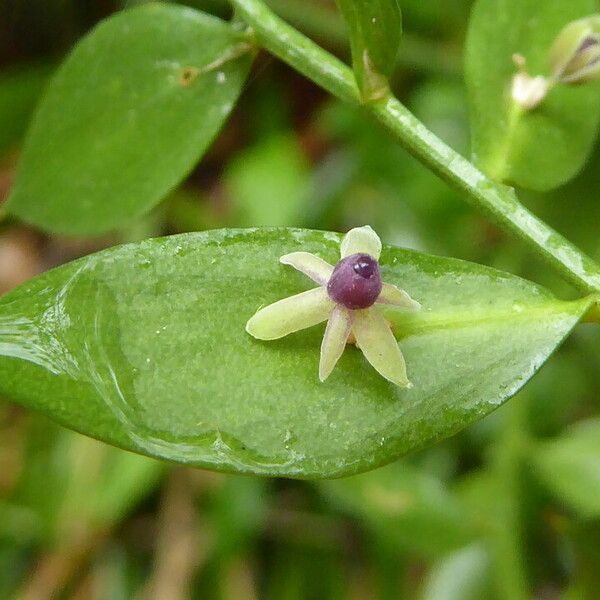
x: 498, y: 201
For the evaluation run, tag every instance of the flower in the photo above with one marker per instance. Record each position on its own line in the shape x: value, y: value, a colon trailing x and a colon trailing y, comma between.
x: 575, y: 53
x: 528, y: 91
x: 574, y: 59
x: 347, y: 298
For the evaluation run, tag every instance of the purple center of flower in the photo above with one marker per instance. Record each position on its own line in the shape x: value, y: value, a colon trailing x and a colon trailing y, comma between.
x: 588, y: 42
x: 355, y: 281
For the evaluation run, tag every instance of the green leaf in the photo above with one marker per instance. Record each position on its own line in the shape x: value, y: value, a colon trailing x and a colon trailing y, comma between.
x: 540, y: 148
x: 19, y: 91
x: 144, y: 346
x: 126, y: 118
x: 74, y: 484
x: 406, y: 508
x: 269, y: 183
x: 570, y: 467
x: 375, y: 28
x: 236, y: 512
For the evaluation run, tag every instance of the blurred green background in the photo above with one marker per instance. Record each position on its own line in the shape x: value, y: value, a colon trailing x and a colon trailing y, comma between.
x: 508, y: 509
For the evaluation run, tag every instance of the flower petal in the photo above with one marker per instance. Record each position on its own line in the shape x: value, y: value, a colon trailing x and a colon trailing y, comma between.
x: 291, y: 314
x: 309, y: 264
x: 361, y: 240
x: 390, y: 294
x: 334, y: 341
x: 377, y: 342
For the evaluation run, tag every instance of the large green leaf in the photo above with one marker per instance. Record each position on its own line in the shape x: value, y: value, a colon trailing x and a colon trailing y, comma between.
x: 126, y: 118
x: 538, y: 149
x: 144, y: 346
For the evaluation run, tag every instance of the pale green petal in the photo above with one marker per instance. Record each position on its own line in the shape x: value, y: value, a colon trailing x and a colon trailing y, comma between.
x: 334, y: 340
x: 390, y: 294
x: 291, y: 314
x: 377, y: 342
x: 361, y: 240
x: 309, y: 264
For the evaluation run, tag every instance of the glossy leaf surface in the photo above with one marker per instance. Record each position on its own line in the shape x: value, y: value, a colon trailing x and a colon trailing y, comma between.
x: 538, y: 149
x: 126, y: 118
x: 144, y: 346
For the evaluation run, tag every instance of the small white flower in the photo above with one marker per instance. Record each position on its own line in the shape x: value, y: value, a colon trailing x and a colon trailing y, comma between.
x: 347, y: 298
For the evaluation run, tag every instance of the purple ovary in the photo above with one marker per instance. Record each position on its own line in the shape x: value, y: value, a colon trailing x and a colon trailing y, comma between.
x: 355, y: 282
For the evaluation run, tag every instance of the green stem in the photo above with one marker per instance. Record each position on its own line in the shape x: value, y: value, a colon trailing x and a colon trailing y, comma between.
x: 326, y: 24
x: 297, y: 50
x: 498, y: 201
x: 316, y: 19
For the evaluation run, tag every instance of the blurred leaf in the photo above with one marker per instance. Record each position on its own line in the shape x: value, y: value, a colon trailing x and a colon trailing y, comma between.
x: 13, y: 566
x: 19, y: 92
x: 190, y: 210
x: 478, y: 494
x: 375, y: 28
x: 19, y: 523
x: 583, y: 542
x: 269, y: 183
x: 144, y: 346
x: 463, y: 575
x: 74, y: 484
x: 570, y: 467
x: 237, y: 513
x: 538, y: 149
x: 106, y: 483
x: 441, y: 105
x: 114, y: 572
x: 126, y: 118
x: 298, y: 574
x: 405, y: 507
x: 403, y: 200
x: 549, y: 408
x: 433, y: 18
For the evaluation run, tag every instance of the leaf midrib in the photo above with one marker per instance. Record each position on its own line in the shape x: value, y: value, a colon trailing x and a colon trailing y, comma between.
x: 407, y: 324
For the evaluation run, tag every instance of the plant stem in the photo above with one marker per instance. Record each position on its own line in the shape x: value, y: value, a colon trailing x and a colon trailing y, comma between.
x: 297, y: 50
x: 498, y: 201
x: 326, y: 24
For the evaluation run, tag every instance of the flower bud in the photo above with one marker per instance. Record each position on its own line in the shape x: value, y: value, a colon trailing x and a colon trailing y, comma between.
x: 527, y: 91
x: 575, y: 54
